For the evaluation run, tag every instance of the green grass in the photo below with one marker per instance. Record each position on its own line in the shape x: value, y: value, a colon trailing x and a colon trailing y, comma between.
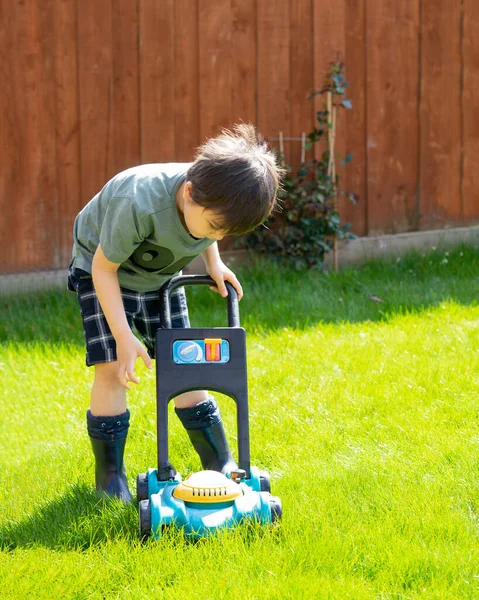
x: 365, y: 414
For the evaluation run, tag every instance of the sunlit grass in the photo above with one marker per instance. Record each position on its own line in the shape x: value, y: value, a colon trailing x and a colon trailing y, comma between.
x: 364, y: 413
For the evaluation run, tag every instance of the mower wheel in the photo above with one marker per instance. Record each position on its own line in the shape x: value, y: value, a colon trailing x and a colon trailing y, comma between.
x: 142, y: 487
x: 264, y: 481
x: 276, y: 509
x: 144, y: 519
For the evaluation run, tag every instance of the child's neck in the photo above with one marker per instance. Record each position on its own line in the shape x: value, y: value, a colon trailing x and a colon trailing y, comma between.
x: 180, y: 203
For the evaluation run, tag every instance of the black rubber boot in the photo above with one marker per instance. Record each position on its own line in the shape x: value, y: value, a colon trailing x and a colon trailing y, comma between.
x: 205, y: 428
x: 108, y: 438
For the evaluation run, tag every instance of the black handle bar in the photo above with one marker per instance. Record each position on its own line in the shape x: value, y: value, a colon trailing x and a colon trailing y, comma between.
x: 170, y: 286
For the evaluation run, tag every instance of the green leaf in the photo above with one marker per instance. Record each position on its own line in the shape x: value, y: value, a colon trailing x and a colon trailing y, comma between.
x: 348, y: 158
x: 347, y: 103
x: 334, y: 219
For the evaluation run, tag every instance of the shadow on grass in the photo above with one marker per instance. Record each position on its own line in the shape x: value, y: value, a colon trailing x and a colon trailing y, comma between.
x: 277, y: 296
x: 76, y: 520
x: 50, y: 316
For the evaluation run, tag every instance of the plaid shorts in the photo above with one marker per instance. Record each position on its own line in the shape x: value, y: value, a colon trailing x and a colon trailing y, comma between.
x: 141, y: 309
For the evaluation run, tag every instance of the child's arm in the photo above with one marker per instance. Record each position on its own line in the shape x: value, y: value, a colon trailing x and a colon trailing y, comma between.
x: 217, y: 269
x: 128, y: 347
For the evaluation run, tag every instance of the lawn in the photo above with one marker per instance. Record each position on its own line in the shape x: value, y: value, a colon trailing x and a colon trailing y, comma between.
x: 364, y: 397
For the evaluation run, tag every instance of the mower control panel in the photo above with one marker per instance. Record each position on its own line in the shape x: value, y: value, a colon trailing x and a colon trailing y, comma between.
x: 194, y: 352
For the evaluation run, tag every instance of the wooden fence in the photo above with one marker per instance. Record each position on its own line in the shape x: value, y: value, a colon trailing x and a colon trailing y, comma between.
x: 91, y: 87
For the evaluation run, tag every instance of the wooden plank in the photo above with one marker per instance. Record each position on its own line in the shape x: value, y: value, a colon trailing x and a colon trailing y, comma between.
x: 329, y: 46
x: 302, y: 77
x: 215, y: 65
x: 470, y: 108
x: 331, y: 19
x: 96, y: 95
x: 339, y: 36
x: 10, y: 141
x: 67, y: 125
x: 355, y: 119
x: 186, y: 96
x: 243, y: 72
x: 392, y: 115
x: 274, y: 112
x: 42, y: 137
x: 440, y: 115
x: 126, y: 108
x: 157, y: 79
x: 34, y: 193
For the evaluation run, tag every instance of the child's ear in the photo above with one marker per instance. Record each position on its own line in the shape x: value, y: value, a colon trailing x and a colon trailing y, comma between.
x: 187, y: 191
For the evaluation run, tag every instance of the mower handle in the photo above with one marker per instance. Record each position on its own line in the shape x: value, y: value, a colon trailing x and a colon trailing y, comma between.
x: 170, y: 286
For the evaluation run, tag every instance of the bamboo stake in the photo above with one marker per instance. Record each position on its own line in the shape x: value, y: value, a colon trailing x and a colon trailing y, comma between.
x: 333, y: 178
x: 281, y: 147
x: 332, y: 164
x: 286, y: 139
x: 303, y: 148
x: 329, y: 100
x: 281, y: 150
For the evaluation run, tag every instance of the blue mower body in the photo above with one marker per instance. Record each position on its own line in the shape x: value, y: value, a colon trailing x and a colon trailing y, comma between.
x: 199, y: 519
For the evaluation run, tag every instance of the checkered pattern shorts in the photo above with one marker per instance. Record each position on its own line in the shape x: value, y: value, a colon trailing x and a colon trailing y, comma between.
x: 141, y: 309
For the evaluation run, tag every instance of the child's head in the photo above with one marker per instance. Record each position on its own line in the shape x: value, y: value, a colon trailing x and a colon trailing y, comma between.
x: 236, y: 177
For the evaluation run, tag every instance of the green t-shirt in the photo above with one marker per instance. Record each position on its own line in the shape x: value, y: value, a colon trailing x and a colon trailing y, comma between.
x: 135, y: 220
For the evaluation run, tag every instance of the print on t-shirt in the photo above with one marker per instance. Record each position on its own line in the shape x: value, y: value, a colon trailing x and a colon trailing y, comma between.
x: 156, y: 259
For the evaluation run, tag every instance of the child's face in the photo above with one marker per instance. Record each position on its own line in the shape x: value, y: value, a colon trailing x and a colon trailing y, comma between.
x: 200, y: 222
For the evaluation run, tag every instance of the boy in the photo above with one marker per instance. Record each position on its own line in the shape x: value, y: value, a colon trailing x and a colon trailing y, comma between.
x: 140, y: 230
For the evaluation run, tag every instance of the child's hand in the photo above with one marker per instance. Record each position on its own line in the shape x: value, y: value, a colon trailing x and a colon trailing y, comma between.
x: 128, y: 349
x: 220, y: 273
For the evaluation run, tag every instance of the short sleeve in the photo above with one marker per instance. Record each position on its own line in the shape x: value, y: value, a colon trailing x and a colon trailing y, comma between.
x: 121, y: 231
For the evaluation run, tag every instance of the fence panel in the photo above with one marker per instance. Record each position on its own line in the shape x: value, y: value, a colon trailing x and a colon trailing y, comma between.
x: 301, y: 76
x: 355, y: 119
x: 96, y: 93
x: 440, y: 115
x: 9, y: 144
x: 91, y: 88
x: 29, y: 174
x: 470, y: 111
x: 243, y: 76
x: 392, y: 118
x: 157, y: 80
x: 125, y: 105
x: 69, y: 197
x: 186, y: 116
x: 274, y: 112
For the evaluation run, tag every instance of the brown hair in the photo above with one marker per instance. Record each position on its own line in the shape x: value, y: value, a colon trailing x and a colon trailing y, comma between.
x: 236, y: 175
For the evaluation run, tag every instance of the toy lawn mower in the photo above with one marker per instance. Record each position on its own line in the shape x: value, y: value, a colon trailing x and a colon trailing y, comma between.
x: 202, y: 359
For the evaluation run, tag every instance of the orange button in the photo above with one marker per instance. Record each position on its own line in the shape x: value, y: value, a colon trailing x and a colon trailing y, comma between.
x: 213, y: 349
